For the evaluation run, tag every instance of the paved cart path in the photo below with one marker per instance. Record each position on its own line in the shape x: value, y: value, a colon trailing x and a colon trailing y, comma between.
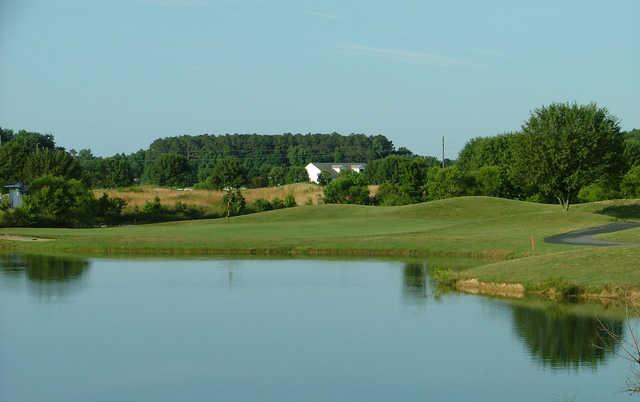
x: 584, y: 237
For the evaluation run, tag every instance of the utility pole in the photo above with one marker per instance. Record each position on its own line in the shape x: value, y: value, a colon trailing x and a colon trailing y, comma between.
x: 443, y: 151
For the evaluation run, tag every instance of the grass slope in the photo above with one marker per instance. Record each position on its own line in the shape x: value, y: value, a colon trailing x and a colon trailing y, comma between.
x: 496, y: 229
x: 467, y: 225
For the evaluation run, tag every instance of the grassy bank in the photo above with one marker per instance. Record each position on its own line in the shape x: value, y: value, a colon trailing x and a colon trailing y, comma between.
x: 507, y: 235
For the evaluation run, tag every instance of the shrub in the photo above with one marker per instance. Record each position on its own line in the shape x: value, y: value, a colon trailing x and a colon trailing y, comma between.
x: 324, y: 178
x: 290, y: 201
x: 448, y: 182
x: 630, y: 185
x: 390, y: 194
x: 55, y: 201
x: 109, y: 210
x: 596, y: 192
x: 348, y: 188
x: 277, y: 203
x: 261, y: 205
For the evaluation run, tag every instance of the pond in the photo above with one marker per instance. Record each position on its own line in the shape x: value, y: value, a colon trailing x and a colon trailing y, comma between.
x: 289, y: 330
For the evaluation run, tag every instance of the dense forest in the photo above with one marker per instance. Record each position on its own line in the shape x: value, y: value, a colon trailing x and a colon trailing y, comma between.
x: 260, y: 160
x: 563, y: 153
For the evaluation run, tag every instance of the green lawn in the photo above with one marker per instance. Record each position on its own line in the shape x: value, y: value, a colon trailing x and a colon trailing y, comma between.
x: 627, y: 236
x: 590, y: 268
x: 491, y: 228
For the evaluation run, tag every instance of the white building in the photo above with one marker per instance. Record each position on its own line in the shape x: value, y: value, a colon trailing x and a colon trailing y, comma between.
x: 334, y: 169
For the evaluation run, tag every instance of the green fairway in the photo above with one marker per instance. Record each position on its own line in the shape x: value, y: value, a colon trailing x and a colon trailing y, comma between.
x: 498, y: 231
x: 482, y: 226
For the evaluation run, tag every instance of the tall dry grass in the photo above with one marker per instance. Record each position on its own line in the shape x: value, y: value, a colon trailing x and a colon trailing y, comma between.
x: 138, y: 196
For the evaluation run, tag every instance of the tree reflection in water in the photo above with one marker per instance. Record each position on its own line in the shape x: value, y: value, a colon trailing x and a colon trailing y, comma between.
x: 554, y: 334
x: 559, y: 339
x: 47, y: 276
x: 415, y: 281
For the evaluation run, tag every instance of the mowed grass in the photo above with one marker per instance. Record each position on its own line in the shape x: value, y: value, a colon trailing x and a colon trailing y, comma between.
x: 482, y: 226
x: 592, y: 269
x: 627, y: 236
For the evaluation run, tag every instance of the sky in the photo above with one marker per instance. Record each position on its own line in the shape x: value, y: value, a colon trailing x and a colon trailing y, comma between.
x: 114, y: 75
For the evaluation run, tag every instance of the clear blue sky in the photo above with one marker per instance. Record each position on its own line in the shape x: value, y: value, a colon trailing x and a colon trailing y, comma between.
x: 114, y: 75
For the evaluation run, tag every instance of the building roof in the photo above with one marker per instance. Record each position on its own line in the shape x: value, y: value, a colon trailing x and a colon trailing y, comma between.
x: 331, y: 166
x: 18, y: 186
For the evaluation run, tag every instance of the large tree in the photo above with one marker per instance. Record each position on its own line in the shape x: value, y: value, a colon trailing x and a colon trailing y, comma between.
x: 228, y: 173
x: 567, y: 146
x: 171, y: 169
x: 54, y: 162
x: 348, y: 188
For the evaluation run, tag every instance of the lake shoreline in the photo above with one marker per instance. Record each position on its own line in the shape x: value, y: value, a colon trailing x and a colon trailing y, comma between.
x: 506, y: 237
x: 629, y: 297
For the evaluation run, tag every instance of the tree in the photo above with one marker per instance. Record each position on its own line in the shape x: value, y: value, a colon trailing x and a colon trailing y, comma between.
x: 296, y: 174
x: 117, y: 172
x: 228, y: 173
x: 324, y: 178
x: 630, y: 185
x: 488, y: 151
x: 348, y: 188
x: 632, y: 152
x: 15, y: 153
x: 277, y: 176
x: 565, y: 147
x: 448, y: 182
x: 54, y: 162
x: 390, y: 194
x: 492, y: 181
x: 298, y: 156
x: 56, y: 201
x: 171, y: 170
x: 234, y: 202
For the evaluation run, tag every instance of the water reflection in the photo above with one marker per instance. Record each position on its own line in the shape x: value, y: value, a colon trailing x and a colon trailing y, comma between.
x: 415, y: 281
x: 560, y: 339
x: 47, y: 276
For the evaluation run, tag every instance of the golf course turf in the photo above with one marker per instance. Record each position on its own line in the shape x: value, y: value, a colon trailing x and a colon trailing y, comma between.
x: 506, y: 236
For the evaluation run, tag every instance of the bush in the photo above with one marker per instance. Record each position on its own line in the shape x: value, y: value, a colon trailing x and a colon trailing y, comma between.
x: 5, y: 203
x: 596, y: 192
x: 109, y: 210
x: 261, y: 205
x: 277, y: 203
x: 448, y: 182
x: 55, y: 201
x: 630, y: 185
x: 491, y: 181
x: 348, y: 188
x: 324, y: 178
x: 390, y: 194
x: 290, y: 201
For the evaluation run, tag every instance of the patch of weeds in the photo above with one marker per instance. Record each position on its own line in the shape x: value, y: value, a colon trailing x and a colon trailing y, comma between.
x: 561, y: 289
x: 444, y: 277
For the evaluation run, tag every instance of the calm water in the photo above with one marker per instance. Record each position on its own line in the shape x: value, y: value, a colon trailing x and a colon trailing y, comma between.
x: 218, y: 330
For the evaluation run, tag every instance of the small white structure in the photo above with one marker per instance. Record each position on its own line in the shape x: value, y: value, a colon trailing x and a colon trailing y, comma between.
x: 334, y: 169
x: 15, y: 194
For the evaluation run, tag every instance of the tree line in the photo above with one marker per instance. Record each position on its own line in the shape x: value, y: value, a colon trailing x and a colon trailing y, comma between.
x: 564, y: 153
x: 183, y: 161
x: 60, y: 180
